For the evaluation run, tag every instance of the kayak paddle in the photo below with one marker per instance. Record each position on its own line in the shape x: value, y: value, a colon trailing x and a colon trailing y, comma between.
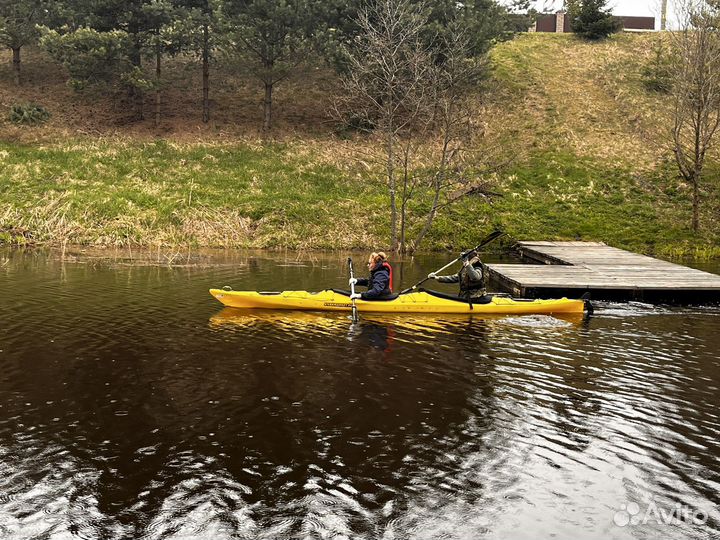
x: 352, y: 290
x: 485, y: 241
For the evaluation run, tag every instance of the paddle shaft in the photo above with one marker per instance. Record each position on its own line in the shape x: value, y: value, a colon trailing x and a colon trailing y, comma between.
x: 489, y: 238
x: 352, y: 290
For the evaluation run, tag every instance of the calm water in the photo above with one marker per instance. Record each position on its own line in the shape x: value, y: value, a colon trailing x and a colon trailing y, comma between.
x: 132, y: 406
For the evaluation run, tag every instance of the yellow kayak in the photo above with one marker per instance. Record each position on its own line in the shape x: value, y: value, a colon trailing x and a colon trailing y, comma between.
x: 414, y: 302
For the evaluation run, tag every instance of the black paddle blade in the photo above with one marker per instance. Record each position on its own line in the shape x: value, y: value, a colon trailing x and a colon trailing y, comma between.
x: 490, y: 237
x: 588, y: 305
x: 485, y: 241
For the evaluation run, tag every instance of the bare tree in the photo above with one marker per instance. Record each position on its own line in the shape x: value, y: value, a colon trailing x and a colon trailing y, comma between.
x: 419, y: 100
x: 696, y: 90
x: 388, y: 87
x: 457, y: 73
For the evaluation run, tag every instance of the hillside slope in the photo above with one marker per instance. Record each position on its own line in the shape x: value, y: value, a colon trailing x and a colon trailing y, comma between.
x: 601, y: 163
x: 586, y: 153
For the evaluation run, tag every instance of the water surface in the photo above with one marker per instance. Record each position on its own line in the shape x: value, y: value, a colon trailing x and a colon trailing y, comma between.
x: 132, y: 405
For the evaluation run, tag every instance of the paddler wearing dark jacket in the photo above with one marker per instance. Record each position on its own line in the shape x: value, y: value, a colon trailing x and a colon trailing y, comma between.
x: 379, y: 283
x: 472, y: 277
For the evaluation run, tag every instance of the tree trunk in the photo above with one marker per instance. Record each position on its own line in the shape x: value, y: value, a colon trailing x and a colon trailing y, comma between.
x: 135, y: 56
x: 391, y: 188
x: 16, y: 65
x: 135, y: 53
x: 439, y: 178
x: 696, y: 202
x: 140, y: 103
x: 403, y: 213
x: 406, y: 194
x: 206, y: 74
x: 430, y: 217
x: 697, y: 168
x: 267, y: 106
x: 663, y: 14
x: 138, y: 95
x: 158, y: 57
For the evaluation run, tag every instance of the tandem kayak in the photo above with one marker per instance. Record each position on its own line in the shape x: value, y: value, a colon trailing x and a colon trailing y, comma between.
x: 422, y: 301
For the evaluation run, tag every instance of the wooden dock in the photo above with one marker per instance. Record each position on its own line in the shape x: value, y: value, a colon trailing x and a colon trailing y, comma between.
x: 573, y: 268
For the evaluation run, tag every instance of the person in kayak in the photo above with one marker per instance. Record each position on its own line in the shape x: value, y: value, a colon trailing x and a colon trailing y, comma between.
x: 379, y: 283
x: 472, y: 277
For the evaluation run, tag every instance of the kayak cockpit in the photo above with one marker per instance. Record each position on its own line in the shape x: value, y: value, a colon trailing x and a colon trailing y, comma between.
x: 393, y: 296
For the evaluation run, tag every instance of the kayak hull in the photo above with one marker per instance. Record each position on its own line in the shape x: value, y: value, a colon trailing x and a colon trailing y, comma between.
x: 416, y: 302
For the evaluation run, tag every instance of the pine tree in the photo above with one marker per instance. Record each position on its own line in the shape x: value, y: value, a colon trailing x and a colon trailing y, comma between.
x: 91, y: 57
x: 591, y: 19
x: 18, y: 27
x: 272, y: 37
x: 202, y: 36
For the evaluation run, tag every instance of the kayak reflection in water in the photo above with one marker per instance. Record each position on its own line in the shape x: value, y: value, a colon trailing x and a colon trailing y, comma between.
x: 373, y: 335
x: 472, y: 277
x: 379, y: 283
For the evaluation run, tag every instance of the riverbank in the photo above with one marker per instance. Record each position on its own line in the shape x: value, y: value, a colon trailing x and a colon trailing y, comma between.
x: 288, y: 195
x: 585, y: 161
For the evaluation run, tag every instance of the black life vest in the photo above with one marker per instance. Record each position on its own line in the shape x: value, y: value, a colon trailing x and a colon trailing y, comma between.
x: 466, y: 284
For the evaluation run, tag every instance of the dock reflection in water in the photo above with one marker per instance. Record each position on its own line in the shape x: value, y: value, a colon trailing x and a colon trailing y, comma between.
x: 130, y: 407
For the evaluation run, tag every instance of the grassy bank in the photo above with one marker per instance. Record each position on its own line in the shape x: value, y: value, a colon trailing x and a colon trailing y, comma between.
x: 286, y: 195
x: 589, y: 161
x: 115, y: 192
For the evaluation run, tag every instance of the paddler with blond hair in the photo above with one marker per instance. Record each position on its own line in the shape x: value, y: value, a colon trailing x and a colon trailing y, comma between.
x: 379, y: 283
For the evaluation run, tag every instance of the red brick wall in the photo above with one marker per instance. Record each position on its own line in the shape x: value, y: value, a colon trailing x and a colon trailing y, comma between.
x: 638, y: 23
x: 548, y: 23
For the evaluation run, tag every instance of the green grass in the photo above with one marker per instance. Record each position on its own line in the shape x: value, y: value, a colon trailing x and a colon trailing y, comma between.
x: 162, y: 193
x: 559, y: 196
x: 234, y: 195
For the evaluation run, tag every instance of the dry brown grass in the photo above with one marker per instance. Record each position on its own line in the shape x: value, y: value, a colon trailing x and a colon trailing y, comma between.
x: 236, y: 104
x: 587, y: 96
x: 50, y: 220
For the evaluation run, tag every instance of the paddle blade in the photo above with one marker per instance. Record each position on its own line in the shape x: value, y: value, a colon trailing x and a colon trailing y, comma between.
x: 490, y: 237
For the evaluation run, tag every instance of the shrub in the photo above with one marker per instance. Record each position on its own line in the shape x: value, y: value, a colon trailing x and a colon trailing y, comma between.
x: 91, y: 57
x: 29, y: 114
x: 657, y: 76
x: 591, y: 19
